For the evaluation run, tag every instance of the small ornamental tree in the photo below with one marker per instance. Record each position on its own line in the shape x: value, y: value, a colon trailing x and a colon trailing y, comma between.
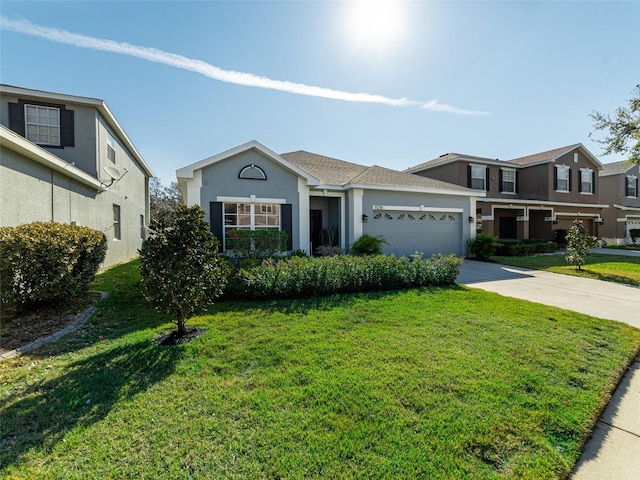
x: 579, y: 244
x: 181, y: 271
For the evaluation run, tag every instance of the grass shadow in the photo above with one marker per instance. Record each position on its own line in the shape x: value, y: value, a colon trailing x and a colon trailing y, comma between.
x: 40, y: 416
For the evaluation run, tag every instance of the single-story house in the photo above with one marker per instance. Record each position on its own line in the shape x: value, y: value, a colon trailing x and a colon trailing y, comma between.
x: 318, y: 200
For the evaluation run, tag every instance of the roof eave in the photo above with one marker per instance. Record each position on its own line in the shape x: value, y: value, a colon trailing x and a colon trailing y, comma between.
x: 465, y: 193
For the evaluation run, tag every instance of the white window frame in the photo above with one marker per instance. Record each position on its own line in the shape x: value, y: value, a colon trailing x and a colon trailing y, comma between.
x: 42, y: 124
x: 117, y: 223
x: 474, y: 170
x: 631, y: 184
x: 111, y: 148
x: 563, y: 169
x: 583, y: 173
x: 510, y: 171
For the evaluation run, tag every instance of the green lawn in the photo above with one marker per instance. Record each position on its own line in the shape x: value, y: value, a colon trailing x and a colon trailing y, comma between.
x: 611, y: 268
x: 429, y: 383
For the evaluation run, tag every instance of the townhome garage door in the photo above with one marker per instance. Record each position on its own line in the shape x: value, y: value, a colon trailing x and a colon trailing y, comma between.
x: 408, y: 232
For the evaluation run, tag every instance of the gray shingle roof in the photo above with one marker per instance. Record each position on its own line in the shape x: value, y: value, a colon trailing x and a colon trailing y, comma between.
x: 446, y: 158
x: 332, y: 171
x: 616, y: 168
x: 544, y: 156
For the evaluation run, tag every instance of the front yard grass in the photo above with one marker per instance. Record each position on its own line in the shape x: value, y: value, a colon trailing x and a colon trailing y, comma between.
x: 611, y: 268
x: 425, y: 383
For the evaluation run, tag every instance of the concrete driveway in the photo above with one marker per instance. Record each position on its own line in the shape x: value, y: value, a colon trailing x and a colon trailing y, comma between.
x: 613, y: 451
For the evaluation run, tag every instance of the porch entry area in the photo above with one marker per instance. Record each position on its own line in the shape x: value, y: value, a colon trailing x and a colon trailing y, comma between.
x: 324, y: 223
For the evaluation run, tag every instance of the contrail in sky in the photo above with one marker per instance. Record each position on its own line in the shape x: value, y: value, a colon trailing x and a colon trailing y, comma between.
x: 211, y: 71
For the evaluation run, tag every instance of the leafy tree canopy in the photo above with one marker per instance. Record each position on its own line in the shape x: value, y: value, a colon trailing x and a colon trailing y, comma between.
x: 623, y: 130
x: 163, y: 200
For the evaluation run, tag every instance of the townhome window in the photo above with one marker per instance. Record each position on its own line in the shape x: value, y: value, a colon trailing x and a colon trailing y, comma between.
x: 507, y: 181
x: 143, y: 230
x: 117, y: 231
x: 587, y: 179
x: 631, y: 189
x: 42, y: 124
x: 251, y: 216
x: 111, y: 148
x: 563, y: 178
x: 478, y: 177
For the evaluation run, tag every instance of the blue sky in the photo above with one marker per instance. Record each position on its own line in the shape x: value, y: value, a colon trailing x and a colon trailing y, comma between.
x: 494, y: 79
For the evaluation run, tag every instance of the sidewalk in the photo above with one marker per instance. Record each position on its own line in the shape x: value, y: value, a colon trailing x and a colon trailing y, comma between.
x: 613, y: 451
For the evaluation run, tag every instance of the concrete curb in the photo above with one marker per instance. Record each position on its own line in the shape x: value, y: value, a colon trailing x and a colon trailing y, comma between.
x: 77, y: 323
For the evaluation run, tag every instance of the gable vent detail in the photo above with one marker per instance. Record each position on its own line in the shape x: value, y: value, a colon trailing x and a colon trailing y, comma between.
x: 252, y: 172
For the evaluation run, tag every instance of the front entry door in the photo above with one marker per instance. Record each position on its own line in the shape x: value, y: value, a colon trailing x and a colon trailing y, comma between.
x: 316, y: 229
x: 508, y: 227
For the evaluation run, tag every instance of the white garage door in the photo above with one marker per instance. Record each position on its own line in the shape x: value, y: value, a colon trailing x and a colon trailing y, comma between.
x: 408, y: 232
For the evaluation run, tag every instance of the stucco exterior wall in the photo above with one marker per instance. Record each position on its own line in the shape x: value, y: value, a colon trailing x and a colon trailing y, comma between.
x: 619, y: 220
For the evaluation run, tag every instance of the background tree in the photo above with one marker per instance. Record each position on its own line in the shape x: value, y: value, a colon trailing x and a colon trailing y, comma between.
x: 579, y: 244
x: 181, y: 270
x: 623, y: 130
x: 163, y: 200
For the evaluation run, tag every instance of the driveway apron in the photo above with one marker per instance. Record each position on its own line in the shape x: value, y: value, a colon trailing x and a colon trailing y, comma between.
x: 613, y: 451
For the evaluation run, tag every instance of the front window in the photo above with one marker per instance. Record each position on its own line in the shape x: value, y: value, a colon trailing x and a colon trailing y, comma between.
x: 478, y: 177
x: 586, y: 180
x: 632, y: 186
x: 563, y: 178
x: 251, y: 216
x: 42, y: 124
x: 111, y: 148
x: 508, y: 181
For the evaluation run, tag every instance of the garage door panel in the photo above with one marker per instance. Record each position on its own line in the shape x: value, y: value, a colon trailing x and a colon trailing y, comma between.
x: 428, y: 233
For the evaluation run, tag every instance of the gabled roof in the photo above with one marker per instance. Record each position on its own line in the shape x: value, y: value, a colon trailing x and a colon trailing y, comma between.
x: 351, y: 175
x: 188, y: 171
x: 616, y: 168
x: 98, y: 104
x: 17, y: 143
x: 527, y: 161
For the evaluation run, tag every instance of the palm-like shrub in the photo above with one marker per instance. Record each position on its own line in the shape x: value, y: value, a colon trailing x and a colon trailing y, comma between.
x: 368, y: 245
x: 181, y: 270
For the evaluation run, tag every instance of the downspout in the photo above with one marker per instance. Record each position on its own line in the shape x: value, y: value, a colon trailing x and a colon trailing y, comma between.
x: 52, y: 218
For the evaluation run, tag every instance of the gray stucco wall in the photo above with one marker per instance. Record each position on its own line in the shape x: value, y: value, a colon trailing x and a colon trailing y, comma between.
x: 221, y: 179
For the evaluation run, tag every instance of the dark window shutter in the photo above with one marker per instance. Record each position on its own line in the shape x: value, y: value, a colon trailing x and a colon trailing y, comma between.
x: 593, y: 182
x: 488, y: 175
x: 637, y: 188
x: 626, y: 187
x: 570, y: 179
x: 217, y: 225
x: 66, y: 128
x: 469, y: 176
x: 579, y: 181
x: 555, y: 178
x: 286, y: 212
x: 515, y: 174
x: 16, y: 118
x: 500, y: 183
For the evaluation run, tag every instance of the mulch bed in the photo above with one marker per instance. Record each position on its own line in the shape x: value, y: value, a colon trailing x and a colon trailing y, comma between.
x: 17, y: 330
x: 175, y: 338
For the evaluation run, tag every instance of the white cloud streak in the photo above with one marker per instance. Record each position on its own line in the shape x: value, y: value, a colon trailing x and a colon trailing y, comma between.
x: 216, y: 73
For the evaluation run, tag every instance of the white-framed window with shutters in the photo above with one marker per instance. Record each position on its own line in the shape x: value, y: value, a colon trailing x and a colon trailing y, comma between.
x: 508, y: 180
x: 586, y: 180
x: 478, y: 177
x: 251, y: 216
x: 631, y: 186
x: 562, y: 178
x: 42, y: 124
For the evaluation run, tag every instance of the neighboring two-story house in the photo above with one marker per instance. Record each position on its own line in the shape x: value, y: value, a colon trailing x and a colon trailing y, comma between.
x: 619, y: 188
x: 66, y: 158
x: 527, y: 197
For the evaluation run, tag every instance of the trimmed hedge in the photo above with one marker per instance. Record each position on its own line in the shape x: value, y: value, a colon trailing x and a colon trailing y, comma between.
x: 519, y: 248
x: 48, y: 261
x: 320, y: 276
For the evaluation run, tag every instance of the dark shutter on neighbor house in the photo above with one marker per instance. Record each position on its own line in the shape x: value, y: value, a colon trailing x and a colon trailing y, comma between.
x: 469, y: 176
x: 626, y: 186
x: 216, y: 222
x: 488, y: 175
x: 515, y: 175
x: 593, y: 182
x: 500, y: 182
x: 66, y: 128
x: 570, y: 179
x: 637, y: 188
x: 579, y: 181
x: 555, y: 178
x: 286, y: 214
x: 16, y: 118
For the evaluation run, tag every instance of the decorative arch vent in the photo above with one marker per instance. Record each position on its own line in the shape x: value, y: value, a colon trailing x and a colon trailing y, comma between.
x: 252, y: 172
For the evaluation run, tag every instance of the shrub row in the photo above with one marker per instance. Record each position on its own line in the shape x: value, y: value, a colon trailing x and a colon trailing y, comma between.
x: 518, y: 248
x: 48, y: 261
x: 313, y: 277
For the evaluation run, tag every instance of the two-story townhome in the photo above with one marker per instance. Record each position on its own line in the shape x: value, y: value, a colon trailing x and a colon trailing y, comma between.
x: 66, y: 158
x: 619, y: 188
x: 527, y: 197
